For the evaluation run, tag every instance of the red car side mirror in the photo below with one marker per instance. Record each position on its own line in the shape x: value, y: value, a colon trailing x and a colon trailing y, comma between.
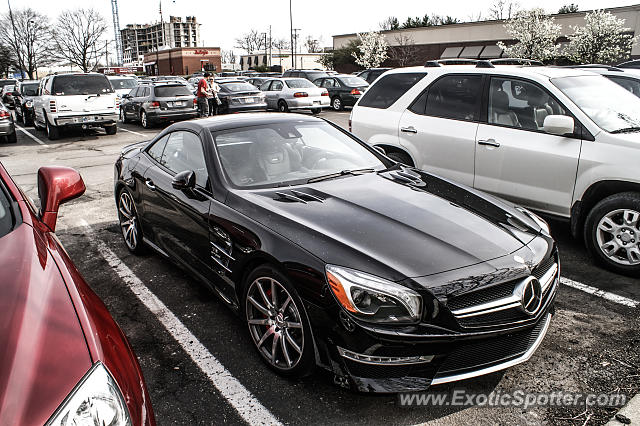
x: 57, y: 185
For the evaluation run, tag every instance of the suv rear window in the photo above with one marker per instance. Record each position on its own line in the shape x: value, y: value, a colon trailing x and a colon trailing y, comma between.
x: 171, y: 91
x: 389, y: 89
x: 66, y: 85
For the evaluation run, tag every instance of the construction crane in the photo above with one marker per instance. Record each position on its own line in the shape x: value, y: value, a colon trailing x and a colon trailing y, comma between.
x: 116, y: 29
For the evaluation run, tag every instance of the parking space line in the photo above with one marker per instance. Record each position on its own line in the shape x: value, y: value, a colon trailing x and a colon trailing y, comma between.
x: 600, y: 293
x: 25, y: 131
x: 249, y: 408
x: 131, y: 131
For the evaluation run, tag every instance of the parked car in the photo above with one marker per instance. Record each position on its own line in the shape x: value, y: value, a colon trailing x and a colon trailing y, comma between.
x: 320, y: 243
x: 238, y: 96
x: 8, y: 93
x: 122, y: 84
x: 26, y: 91
x: 371, y: 74
x: 258, y: 81
x: 6, y: 82
x: 310, y: 75
x: 344, y: 90
x: 561, y: 141
x: 76, y: 100
x: 64, y: 359
x: 158, y: 102
x: 286, y: 94
x: 628, y: 78
x: 7, y: 127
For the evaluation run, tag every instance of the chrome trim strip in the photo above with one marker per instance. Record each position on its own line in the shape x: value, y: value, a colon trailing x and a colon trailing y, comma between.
x: 514, y: 302
x: 498, y: 367
x: 222, y: 250
x: 384, y: 360
x: 304, y: 194
x: 548, y: 277
x: 220, y: 263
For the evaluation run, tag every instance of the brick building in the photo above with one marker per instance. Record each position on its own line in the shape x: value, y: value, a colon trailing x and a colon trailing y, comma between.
x: 183, y: 61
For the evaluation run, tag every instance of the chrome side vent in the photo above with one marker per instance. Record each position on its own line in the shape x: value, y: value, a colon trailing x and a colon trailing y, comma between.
x: 298, y: 196
x: 221, y: 249
x: 406, y: 176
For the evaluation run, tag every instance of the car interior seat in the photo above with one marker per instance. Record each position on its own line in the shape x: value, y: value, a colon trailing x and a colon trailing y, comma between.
x: 500, y: 112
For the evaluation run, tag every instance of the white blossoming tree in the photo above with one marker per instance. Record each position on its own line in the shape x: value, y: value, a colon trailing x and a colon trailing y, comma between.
x: 536, y: 34
x: 372, y: 51
x: 601, y: 40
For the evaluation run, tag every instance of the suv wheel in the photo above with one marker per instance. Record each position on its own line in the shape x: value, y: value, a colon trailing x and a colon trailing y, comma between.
x: 13, y: 137
x: 282, y: 106
x: 111, y: 130
x: 336, y: 104
x: 123, y: 116
x: 278, y: 323
x: 144, y: 120
x: 612, y: 233
x: 53, y: 132
x: 400, y: 157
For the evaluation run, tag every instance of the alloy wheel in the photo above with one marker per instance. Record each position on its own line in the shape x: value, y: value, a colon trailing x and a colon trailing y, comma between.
x: 337, y: 104
x: 275, y: 323
x: 128, y: 220
x: 143, y: 120
x: 617, y: 236
x: 122, y: 116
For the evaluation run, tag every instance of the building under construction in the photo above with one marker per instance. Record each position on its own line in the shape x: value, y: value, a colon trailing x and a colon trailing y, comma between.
x: 140, y: 39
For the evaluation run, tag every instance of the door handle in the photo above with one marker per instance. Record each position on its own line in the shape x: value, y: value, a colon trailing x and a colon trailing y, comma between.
x: 150, y: 184
x: 489, y: 142
x: 409, y: 129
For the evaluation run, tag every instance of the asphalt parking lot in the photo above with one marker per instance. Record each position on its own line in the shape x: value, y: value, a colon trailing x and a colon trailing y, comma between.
x: 593, y: 344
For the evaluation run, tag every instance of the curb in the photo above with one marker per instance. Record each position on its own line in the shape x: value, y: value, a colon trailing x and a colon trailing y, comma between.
x: 630, y: 411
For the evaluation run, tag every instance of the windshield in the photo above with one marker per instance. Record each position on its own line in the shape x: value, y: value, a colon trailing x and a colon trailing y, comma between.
x: 288, y: 153
x: 299, y: 83
x: 74, y: 84
x: 172, y: 91
x: 354, y: 81
x: 238, y: 87
x: 610, y: 106
x: 123, y: 83
x: 29, y: 89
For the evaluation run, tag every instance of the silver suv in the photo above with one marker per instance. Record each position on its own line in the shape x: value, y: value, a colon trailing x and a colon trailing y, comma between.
x: 564, y: 142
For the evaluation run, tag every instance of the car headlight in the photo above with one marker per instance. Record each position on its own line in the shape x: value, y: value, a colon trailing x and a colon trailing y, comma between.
x: 537, y: 219
x: 96, y: 400
x: 373, y: 298
x: 28, y: 104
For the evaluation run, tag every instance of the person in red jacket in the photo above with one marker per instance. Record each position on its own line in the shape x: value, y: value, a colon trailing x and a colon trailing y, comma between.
x: 203, y: 94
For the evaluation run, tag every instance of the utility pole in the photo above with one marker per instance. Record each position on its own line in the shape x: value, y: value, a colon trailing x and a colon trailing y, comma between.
x: 295, y: 47
x: 270, y: 46
x: 293, y: 55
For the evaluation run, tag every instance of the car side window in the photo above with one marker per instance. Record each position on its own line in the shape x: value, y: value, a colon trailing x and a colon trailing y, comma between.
x: 276, y: 85
x: 184, y: 152
x: 389, y: 89
x: 364, y: 75
x: 265, y: 86
x: 328, y: 83
x: 146, y: 92
x: 520, y: 104
x: 631, y: 84
x: 455, y: 96
x: 318, y: 82
x: 155, y: 151
x: 133, y: 91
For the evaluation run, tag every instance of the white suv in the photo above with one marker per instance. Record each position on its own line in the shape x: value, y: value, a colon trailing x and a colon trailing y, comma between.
x: 79, y: 99
x: 564, y: 142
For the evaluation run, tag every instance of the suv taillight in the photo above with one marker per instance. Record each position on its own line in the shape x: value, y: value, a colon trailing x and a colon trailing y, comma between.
x: 300, y: 95
x: 4, y: 114
x: 52, y: 106
x: 154, y: 104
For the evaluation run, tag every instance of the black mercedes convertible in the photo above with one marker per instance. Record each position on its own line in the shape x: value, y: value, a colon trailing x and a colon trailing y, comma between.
x: 335, y: 256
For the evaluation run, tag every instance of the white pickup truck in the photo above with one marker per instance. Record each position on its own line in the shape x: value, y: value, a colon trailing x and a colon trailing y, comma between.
x: 76, y: 99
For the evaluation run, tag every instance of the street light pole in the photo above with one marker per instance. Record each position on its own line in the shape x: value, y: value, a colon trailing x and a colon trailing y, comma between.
x: 293, y: 55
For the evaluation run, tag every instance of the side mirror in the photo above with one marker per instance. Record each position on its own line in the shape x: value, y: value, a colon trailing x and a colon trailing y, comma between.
x: 57, y: 185
x: 558, y: 124
x: 184, y: 180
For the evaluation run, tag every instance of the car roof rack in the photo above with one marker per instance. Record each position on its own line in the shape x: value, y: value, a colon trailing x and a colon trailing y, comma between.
x: 431, y: 64
x: 606, y: 67
x: 484, y: 64
x: 457, y: 61
x: 516, y: 61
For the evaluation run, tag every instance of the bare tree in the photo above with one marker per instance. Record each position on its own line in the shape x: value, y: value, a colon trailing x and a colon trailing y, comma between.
x: 313, y: 45
x: 229, y: 56
x: 281, y: 43
x: 391, y: 23
x: 30, y: 42
x: 7, y: 59
x: 251, y: 41
x: 77, y: 37
x: 503, y: 9
x: 475, y: 17
x: 404, y: 50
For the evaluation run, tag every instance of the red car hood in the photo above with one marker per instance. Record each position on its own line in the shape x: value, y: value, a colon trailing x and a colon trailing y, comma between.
x: 44, y: 353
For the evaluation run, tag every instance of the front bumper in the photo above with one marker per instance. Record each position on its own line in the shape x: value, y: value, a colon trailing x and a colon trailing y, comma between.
x: 94, y: 120
x: 172, y: 115
x: 309, y: 102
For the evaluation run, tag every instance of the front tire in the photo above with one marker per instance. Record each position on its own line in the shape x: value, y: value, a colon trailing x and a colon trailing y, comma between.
x: 612, y: 233
x: 282, y: 106
x: 129, y: 222
x: 111, y: 130
x: 278, y: 323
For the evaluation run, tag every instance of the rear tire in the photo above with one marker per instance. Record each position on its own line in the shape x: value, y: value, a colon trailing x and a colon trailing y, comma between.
x: 111, y: 130
x: 336, y: 104
x: 612, y: 233
x: 282, y: 106
x: 144, y: 120
x: 400, y: 157
x: 53, y: 132
x: 130, y: 222
x: 316, y: 111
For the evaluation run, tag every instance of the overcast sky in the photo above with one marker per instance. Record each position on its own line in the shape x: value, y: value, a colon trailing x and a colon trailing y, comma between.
x: 224, y: 20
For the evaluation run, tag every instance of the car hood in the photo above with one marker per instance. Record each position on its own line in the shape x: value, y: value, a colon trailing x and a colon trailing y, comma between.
x: 44, y: 353
x: 377, y: 222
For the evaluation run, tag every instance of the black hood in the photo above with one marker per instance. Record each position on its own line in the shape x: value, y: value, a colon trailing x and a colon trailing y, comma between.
x: 386, y: 224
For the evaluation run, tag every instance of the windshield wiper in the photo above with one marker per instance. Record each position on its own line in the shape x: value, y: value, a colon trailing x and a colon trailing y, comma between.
x: 627, y: 130
x: 342, y: 173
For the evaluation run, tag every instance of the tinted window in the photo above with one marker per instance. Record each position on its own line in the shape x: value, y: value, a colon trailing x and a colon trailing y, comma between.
x: 145, y: 92
x: 520, y: 104
x: 157, y: 148
x: 314, y: 75
x: 265, y: 86
x: 277, y: 85
x: 6, y: 216
x: 238, y: 87
x: 300, y: 83
x: 631, y: 84
x: 389, y: 89
x: 172, y: 91
x: 74, y: 84
x: 354, y: 81
x: 184, y: 152
x: 454, y: 96
x: 420, y: 104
